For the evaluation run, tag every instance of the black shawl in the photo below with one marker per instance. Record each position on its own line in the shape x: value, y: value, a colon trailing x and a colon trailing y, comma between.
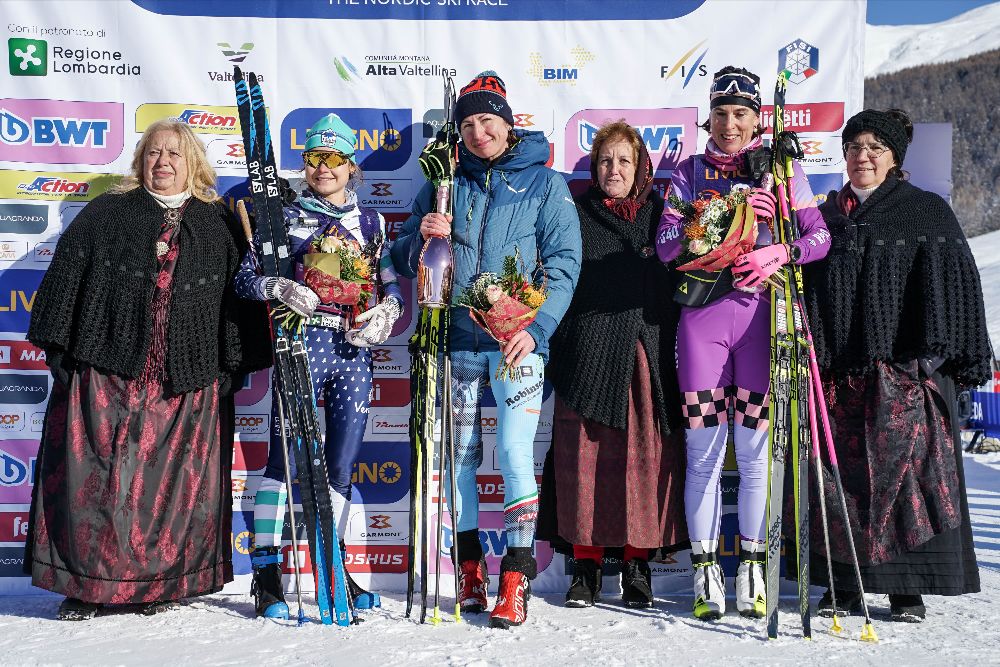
x: 94, y: 303
x: 623, y: 296
x: 900, y: 283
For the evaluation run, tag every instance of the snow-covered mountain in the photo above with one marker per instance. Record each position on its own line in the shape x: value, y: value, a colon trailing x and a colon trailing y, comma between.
x: 986, y: 249
x: 889, y: 48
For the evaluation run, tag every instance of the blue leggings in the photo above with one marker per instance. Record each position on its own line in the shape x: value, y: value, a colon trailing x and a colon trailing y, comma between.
x: 342, y: 377
x: 518, y: 408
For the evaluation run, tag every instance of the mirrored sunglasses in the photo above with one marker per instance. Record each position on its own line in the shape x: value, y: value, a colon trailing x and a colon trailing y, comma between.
x: 331, y: 159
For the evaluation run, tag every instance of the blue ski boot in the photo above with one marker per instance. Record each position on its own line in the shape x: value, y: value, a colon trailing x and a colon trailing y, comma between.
x: 267, y: 589
x: 362, y: 599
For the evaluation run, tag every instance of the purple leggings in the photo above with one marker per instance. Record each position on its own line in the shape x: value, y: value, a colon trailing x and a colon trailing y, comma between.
x: 723, y: 358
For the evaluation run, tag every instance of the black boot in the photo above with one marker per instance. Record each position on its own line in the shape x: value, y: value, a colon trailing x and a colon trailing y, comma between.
x: 72, y: 609
x: 637, y: 584
x: 585, y: 589
x: 848, y: 603
x: 154, y: 608
x: 362, y: 599
x: 907, y: 608
x: 266, y: 589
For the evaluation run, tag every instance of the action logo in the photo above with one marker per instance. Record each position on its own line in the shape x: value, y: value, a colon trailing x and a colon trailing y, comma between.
x: 202, y: 119
x: 75, y: 186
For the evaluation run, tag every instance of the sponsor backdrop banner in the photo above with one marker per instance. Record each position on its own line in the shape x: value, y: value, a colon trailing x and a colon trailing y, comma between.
x: 82, y: 82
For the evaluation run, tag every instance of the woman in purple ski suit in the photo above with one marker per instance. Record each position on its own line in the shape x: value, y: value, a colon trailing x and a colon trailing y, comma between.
x: 723, y: 342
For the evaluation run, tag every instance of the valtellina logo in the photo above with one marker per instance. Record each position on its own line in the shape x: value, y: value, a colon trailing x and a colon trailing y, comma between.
x: 236, y: 55
x: 346, y: 69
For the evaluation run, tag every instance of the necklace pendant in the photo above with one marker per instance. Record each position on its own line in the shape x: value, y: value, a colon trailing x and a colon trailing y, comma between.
x: 172, y: 216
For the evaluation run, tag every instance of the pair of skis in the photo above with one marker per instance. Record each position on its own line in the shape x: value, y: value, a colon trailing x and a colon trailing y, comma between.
x: 294, y: 394
x: 796, y: 401
x: 430, y: 378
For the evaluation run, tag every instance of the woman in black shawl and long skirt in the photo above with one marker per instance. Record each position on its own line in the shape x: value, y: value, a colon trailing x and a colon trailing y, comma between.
x: 898, y: 319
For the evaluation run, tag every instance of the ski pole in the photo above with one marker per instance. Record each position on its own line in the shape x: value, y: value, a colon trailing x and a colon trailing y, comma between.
x: 291, y: 504
x: 436, y: 618
x: 835, y: 626
x: 452, y: 507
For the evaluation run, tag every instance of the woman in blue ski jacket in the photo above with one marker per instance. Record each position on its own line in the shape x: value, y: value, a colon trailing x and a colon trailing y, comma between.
x: 505, y: 199
x: 340, y: 361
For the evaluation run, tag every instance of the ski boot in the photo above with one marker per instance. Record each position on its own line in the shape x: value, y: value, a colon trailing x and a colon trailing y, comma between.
x: 266, y: 589
x: 72, y: 609
x: 362, y: 599
x: 751, y: 601
x: 907, y: 608
x: 517, y: 569
x: 585, y: 589
x: 473, y: 578
x: 709, y: 582
x: 848, y: 603
x: 637, y: 584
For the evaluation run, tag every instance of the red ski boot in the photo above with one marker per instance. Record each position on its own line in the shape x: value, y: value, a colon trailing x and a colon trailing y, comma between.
x: 516, y: 571
x: 473, y: 581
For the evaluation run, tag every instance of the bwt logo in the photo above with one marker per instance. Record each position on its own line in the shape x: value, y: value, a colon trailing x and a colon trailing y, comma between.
x: 201, y: 118
x: 658, y: 138
x: 800, y: 59
x: 55, y: 186
x: 53, y: 131
x: 546, y: 76
x: 381, y: 190
x: 687, y: 71
x: 13, y: 471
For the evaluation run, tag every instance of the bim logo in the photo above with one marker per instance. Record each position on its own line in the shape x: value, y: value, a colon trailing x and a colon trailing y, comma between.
x: 800, y: 59
x: 27, y: 57
x: 346, y: 69
x: 687, y: 69
x: 60, y: 132
x: 568, y: 73
x: 234, y: 55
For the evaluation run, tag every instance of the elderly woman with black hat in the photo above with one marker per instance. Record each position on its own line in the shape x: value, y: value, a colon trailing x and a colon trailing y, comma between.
x: 898, y: 321
x: 723, y: 340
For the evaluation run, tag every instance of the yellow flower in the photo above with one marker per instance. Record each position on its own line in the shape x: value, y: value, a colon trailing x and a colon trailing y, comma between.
x: 362, y: 268
x: 533, y: 297
x: 695, y: 231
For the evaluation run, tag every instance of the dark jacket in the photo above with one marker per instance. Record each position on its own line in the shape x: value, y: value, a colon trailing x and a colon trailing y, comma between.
x: 94, y: 303
x: 900, y: 283
x: 624, y: 296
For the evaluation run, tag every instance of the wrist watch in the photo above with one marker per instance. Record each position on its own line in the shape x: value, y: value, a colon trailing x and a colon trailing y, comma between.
x: 794, y: 253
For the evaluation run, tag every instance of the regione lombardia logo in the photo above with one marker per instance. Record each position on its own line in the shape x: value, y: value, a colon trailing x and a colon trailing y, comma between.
x: 800, y: 59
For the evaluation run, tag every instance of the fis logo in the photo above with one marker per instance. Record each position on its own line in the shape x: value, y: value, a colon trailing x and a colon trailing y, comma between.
x: 563, y: 73
x: 235, y: 55
x: 685, y: 69
x: 27, y: 57
x: 800, y: 59
x: 50, y: 185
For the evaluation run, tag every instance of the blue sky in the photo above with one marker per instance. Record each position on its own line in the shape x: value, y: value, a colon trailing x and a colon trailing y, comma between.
x: 909, y: 12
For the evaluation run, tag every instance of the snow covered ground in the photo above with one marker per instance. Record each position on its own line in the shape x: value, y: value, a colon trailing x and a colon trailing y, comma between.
x: 218, y: 630
x: 986, y: 249
x: 889, y: 48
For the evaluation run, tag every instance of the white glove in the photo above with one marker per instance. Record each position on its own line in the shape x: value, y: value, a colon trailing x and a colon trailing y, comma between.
x: 298, y: 297
x: 380, y: 320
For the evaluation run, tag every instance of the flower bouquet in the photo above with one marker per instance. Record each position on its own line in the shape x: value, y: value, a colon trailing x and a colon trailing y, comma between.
x: 339, y: 271
x: 503, y: 305
x: 716, y: 230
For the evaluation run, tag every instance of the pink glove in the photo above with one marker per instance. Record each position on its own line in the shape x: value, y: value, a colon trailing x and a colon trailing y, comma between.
x: 763, y: 203
x: 759, y: 265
